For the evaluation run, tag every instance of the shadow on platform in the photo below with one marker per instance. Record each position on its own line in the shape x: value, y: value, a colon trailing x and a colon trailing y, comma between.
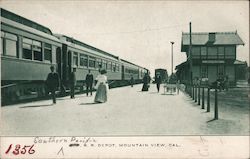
x: 33, y: 106
x: 168, y: 94
x: 68, y: 98
x: 211, y: 120
x: 153, y: 92
x: 93, y: 103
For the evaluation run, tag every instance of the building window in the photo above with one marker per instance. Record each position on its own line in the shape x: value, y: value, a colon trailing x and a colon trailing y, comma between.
x: 92, y: 62
x: 37, y: 50
x: 48, y: 53
x: 203, y: 71
x: 27, y: 51
x: 196, y: 52
x: 212, y: 52
x: 10, y: 44
x: 84, y: 60
x: 221, y: 52
x: 203, y: 52
x: 75, y: 59
x: 221, y: 71
x: 230, y: 52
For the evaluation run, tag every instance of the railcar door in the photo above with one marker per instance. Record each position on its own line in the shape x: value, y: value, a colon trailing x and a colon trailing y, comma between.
x: 59, y: 61
x: 123, y: 72
x: 64, y: 64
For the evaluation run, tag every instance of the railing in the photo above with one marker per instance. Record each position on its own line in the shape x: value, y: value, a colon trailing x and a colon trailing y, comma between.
x: 202, y: 93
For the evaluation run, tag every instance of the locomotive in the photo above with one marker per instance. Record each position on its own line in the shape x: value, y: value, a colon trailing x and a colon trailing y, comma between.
x: 28, y: 49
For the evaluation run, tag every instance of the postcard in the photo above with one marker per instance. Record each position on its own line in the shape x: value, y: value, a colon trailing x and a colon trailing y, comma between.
x: 124, y: 79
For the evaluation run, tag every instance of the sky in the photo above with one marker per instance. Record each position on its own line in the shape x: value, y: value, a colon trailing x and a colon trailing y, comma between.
x: 138, y: 31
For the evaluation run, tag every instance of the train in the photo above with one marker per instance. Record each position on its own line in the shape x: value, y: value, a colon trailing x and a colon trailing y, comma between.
x: 29, y: 49
x: 163, y: 73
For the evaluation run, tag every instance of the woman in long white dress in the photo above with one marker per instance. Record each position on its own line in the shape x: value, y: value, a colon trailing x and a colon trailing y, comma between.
x: 102, y: 87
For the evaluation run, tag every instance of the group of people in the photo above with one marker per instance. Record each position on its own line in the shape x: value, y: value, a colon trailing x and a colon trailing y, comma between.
x: 147, y: 79
x: 53, y: 84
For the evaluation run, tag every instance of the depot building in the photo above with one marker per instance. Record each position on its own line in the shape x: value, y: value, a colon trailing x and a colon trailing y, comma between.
x: 213, y: 56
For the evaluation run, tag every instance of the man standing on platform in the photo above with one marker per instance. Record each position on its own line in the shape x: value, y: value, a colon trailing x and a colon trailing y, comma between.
x: 72, y: 83
x: 89, y: 83
x: 52, y: 83
x: 132, y: 80
x: 158, y: 81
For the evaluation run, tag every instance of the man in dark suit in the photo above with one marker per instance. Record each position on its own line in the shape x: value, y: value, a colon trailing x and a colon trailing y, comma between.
x: 52, y: 83
x: 72, y: 83
x: 89, y: 83
x: 158, y: 81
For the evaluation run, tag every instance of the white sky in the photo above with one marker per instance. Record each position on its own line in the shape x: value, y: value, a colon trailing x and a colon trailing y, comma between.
x: 140, y: 31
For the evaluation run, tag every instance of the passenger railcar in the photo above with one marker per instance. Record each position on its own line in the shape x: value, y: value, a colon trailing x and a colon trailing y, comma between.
x: 29, y: 49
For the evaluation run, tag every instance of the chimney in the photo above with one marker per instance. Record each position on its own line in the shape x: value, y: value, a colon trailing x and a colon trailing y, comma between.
x: 211, y: 37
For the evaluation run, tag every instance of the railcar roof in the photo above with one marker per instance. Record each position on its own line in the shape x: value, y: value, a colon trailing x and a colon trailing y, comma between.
x: 74, y: 41
x: 19, y: 19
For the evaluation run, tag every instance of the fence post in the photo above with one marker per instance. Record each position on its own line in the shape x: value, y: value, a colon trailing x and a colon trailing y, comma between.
x: 195, y: 94
x: 199, y: 96
x: 216, y: 115
x: 208, y: 99
x: 202, y: 105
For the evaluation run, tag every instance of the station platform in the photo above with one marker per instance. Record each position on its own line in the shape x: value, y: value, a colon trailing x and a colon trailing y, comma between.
x: 128, y: 111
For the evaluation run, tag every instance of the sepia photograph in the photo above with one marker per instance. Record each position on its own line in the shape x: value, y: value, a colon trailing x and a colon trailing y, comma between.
x: 73, y: 71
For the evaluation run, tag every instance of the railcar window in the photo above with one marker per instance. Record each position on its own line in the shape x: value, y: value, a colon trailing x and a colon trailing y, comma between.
x: 27, y: 53
x: 104, y: 64
x: 83, y: 60
x: 1, y: 46
x: 37, y: 50
x: 113, y: 67
x: 75, y: 59
x: 48, y: 53
x: 92, y: 62
x: 109, y: 66
x: 10, y: 44
x: 99, y: 63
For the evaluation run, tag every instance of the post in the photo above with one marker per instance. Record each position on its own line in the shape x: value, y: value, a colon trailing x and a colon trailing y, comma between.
x: 190, y: 53
x: 195, y: 93
x: 172, y: 57
x: 199, y: 96
x: 216, y: 103
x: 208, y: 99
x: 202, y: 105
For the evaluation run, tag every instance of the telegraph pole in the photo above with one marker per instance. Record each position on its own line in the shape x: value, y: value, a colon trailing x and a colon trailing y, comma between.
x: 172, y: 57
x: 190, y: 54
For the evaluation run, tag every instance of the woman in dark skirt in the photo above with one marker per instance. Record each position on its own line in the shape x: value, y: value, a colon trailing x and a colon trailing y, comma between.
x: 146, y: 80
x: 102, y: 87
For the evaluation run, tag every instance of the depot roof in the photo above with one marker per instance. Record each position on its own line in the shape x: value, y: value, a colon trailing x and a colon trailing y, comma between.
x: 203, y: 38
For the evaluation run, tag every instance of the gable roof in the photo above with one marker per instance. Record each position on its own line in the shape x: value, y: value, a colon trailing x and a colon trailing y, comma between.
x: 221, y: 38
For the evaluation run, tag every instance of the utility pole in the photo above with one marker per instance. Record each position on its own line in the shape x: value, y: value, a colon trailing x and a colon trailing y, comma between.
x: 172, y: 57
x: 190, y: 54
